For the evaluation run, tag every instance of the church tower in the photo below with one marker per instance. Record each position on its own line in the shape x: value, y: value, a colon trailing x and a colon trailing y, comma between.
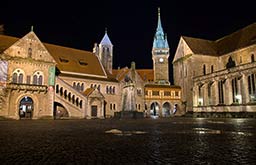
x: 160, y: 55
x: 106, y: 53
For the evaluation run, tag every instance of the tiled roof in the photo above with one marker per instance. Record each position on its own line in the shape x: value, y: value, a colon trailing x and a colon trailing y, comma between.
x: 6, y: 42
x: 120, y: 73
x: 237, y: 40
x: 146, y: 74
x: 75, y: 61
x: 201, y: 46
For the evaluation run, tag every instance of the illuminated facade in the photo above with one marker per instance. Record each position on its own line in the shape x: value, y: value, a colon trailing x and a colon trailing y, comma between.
x: 218, y: 76
x: 41, y: 80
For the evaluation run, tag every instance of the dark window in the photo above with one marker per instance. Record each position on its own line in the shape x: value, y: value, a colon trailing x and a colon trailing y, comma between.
x: 252, y: 87
x: 57, y: 88
x: 81, y: 104
x: 65, y: 94
x: 220, y: 90
x: 40, y: 80
x: 82, y: 87
x: 212, y: 68
x: 30, y: 52
x: 204, y: 69
x: 14, y: 77
x: 114, y: 90
x: 28, y: 79
x: 35, y: 79
x: 155, y: 93
x: 20, y: 78
x: 252, y: 58
x: 234, y: 90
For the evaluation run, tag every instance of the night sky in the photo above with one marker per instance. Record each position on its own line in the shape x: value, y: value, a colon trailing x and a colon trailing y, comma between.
x: 131, y: 24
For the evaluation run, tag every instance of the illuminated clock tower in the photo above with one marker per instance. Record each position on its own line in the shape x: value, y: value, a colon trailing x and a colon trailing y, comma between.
x: 160, y: 55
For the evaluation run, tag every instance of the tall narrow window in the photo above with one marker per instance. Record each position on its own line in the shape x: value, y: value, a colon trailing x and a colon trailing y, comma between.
x: 20, y: 80
x: 82, y: 87
x: 35, y: 79
x: 212, y: 69
x: 252, y: 87
x: 40, y: 80
x: 28, y: 79
x: 252, y: 58
x: 210, y: 93
x: 14, y: 77
x: 235, y: 90
x: 200, y: 94
x: 204, y: 69
x: 220, y: 89
x: 30, y: 52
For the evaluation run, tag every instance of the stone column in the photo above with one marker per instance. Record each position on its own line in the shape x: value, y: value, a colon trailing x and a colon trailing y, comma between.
x: 244, y: 89
x: 215, y: 95
x: 227, y: 92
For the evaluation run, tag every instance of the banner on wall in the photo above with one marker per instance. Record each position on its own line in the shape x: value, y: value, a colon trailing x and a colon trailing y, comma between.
x: 51, y: 81
x: 3, y: 73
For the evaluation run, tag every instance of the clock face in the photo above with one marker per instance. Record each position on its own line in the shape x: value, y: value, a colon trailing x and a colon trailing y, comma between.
x: 161, y: 60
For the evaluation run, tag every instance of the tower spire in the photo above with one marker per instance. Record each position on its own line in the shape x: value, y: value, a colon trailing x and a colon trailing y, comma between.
x: 106, y: 30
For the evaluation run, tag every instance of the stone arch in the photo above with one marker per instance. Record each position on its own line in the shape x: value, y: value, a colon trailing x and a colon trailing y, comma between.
x: 166, y: 109
x: 65, y: 94
x: 35, y: 104
x: 60, y: 111
x: 155, y: 109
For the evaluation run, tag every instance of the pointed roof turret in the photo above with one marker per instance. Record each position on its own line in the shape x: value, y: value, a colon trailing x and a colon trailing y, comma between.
x: 105, y: 40
x: 160, y: 40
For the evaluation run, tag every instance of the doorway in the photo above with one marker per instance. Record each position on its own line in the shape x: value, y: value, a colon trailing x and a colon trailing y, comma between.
x: 26, y: 108
x: 94, y: 111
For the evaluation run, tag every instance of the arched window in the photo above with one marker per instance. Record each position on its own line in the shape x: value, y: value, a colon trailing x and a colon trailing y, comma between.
x: 107, y: 89
x: 14, y: 77
x: 57, y: 88
x: 252, y: 58
x: 77, y: 101
x: 110, y: 106
x: 114, y: 106
x: 82, y: 87
x: 65, y: 94
x: 73, y: 99
x: 98, y: 87
x: 29, y: 52
x: 69, y: 96
x: 212, y: 69
x: 40, y: 80
x: 78, y: 86
x: 110, y: 89
x: 91, y: 85
x: 114, y: 90
x: 17, y: 76
x: 81, y: 104
x: 35, y: 79
x: 74, y: 84
x: 20, y: 78
x: 204, y: 69
x: 95, y: 86
x: 61, y: 91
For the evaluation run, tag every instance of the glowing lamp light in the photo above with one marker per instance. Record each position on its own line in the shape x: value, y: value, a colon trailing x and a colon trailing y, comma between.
x: 239, y: 98
x: 200, y: 101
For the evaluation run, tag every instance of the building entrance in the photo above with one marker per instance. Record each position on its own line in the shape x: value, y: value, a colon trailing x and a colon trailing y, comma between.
x: 26, y: 108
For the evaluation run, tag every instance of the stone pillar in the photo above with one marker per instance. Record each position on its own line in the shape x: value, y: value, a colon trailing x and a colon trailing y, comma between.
x: 227, y: 92
x: 215, y: 97
x: 244, y: 89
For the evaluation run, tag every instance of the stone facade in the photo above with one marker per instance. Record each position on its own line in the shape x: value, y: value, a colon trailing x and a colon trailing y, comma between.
x: 41, y: 80
x: 217, y: 76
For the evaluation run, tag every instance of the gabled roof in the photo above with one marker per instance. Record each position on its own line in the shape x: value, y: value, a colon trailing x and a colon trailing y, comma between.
x: 237, y: 40
x: 88, y: 91
x: 120, y: 73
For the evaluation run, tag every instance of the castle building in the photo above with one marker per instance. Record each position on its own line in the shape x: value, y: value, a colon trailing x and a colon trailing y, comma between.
x: 218, y: 76
x: 42, y: 80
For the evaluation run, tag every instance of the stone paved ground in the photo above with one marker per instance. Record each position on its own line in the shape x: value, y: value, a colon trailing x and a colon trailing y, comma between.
x: 145, y: 141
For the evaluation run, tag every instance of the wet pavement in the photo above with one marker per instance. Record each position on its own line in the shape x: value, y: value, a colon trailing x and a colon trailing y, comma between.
x: 144, y: 141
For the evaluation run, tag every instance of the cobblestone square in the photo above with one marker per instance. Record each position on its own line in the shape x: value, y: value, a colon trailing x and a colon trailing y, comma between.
x: 144, y: 141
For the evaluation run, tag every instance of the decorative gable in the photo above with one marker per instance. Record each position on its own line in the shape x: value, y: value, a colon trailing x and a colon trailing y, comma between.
x: 182, y: 50
x: 29, y: 47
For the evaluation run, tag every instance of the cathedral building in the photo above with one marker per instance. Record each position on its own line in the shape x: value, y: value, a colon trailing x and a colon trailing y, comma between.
x: 218, y: 77
x: 42, y: 80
